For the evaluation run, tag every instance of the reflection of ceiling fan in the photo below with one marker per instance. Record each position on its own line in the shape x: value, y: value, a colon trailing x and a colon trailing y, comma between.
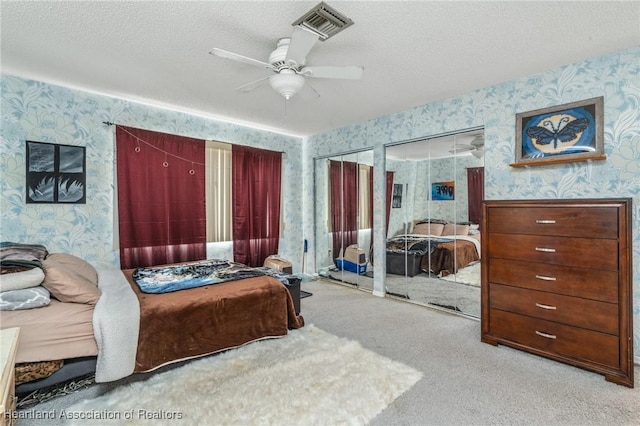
x: 475, y: 147
x: 288, y: 60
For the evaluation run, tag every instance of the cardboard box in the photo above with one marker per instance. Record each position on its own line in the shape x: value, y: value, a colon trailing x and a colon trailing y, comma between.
x: 279, y: 264
x: 352, y: 259
x: 354, y: 254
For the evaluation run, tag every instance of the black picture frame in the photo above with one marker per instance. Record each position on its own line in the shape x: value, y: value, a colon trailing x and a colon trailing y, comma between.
x: 396, y: 200
x: 55, y: 173
x: 560, y: 134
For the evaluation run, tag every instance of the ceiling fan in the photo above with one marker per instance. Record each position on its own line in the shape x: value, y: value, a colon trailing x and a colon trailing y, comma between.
x: 475, y: 147
x: 288, y: 63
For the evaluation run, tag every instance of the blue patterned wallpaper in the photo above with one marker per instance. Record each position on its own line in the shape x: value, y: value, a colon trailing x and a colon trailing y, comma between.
x: 615, y: 76
x: 42, y: 112
x: 417, y: 177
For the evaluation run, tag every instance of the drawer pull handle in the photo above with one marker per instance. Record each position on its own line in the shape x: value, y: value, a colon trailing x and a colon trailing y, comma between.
x: 545, y: 222
x: 540, y: 305
x: 546, y: 250
x: 546, y: 335
x: 544, y: 278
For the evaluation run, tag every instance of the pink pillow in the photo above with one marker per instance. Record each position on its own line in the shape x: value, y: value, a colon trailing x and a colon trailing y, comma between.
x: 453, y: 229
x: 428, y: 229
x: 70, y: 279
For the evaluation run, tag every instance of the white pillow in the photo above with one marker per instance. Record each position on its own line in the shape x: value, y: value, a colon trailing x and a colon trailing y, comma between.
x: 19, y: 280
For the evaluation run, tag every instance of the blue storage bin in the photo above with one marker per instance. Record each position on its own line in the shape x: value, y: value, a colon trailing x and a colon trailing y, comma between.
x: 347, y: 265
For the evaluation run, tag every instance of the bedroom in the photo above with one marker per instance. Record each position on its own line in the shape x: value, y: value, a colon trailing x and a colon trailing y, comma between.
x: 47, y: 111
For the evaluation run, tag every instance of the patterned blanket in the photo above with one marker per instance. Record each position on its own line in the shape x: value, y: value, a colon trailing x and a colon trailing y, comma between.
x: 189, y: 275
x: 414, y: 244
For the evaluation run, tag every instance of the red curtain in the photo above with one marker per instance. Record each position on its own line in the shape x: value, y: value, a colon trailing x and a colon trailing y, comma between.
x: 343, y: 177
x: 475, y: 188
x: 389, y: 198
x: 256, y: 204
x: 161, y: 198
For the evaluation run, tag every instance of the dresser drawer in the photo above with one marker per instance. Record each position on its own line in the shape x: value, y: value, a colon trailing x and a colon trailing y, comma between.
x: 596, y: 284
x: 585, y: 313
x: 581, y: 252
x: 554, y: 338
x: 598, y: 222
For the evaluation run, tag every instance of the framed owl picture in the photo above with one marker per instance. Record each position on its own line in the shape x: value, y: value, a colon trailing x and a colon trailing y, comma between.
x: 560, y: 134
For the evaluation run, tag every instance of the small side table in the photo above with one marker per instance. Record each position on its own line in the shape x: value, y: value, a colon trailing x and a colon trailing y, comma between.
x: 8, y: 349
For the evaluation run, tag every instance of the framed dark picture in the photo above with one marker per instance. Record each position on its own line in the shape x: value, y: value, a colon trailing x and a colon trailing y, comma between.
x: 396, y: 201
x: 55, y: 173
x: 560, y: 134
x: 443, y: 190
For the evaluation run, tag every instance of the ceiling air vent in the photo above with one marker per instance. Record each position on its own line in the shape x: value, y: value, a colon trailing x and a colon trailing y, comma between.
x: 324, y: 21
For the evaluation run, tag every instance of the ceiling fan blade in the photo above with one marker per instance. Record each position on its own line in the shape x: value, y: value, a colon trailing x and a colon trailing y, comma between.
x: 302, y: 40
x: 459, y: 148
x: 253, y: 85
x: 235, y: 57
x: 349, y: 72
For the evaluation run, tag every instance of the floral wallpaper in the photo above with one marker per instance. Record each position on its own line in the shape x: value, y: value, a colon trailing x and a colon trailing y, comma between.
x: 417, y: 177
x: 42, y: 112
x: 37, y: 111
x: 616, y: 77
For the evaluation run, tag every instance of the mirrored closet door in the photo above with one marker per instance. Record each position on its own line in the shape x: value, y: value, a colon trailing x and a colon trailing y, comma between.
x: 344, y: 218
x: 433, y: 239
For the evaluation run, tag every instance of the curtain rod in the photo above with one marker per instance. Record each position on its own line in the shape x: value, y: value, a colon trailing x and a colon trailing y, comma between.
x: 109, y: 123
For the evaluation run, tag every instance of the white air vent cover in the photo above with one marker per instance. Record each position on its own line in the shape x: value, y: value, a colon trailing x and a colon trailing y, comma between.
x: 324, y: 21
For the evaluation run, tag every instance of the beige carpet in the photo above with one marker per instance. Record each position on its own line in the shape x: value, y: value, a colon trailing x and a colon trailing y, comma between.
x: 460, y: 296
x: 309, y: 377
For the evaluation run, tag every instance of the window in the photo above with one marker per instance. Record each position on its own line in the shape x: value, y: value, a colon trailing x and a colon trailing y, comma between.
x: 364, y: 195
x: 218, y: 191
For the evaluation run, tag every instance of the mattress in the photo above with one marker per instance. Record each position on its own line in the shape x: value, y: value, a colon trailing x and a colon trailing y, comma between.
x: 57, y: 331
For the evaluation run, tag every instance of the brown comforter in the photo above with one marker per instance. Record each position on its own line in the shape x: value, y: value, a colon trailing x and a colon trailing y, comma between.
x: 448, y: 257
x: 199, y: 321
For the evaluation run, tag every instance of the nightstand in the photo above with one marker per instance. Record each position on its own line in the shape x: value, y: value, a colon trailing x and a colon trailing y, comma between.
x: 8, y: 349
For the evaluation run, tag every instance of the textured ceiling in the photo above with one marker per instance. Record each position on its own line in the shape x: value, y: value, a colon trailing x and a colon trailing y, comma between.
x: 413, y: 53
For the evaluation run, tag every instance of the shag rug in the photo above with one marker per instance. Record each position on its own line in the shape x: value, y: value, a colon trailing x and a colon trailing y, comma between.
x: 309, y: 377
x: 468, y: 275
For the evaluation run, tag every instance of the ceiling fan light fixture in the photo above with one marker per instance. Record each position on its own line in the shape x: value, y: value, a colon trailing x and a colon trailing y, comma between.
x: 287, y: 83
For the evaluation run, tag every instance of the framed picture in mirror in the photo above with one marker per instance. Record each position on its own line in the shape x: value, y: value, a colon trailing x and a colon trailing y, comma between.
x: 396, y: 201
x: 443, y: 190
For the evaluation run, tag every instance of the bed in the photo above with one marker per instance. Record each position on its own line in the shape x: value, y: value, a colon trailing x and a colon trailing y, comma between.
x: 101, y: 321
x: 435, y: 247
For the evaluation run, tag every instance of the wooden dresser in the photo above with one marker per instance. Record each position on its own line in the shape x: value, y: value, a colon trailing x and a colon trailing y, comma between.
x: 556, y: 281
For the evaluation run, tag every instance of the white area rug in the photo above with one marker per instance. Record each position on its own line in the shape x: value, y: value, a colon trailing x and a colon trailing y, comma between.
x: 309, y: 377
x: 468, y: 275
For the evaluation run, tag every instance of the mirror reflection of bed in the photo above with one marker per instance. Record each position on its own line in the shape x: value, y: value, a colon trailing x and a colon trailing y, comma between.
x: 433, y: 240
x: 433, y: 248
